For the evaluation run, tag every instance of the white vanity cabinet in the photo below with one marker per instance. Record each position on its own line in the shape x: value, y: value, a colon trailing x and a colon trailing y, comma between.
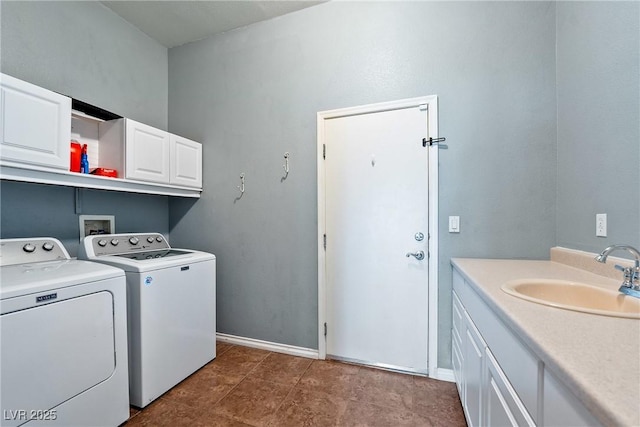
x: 35, y: 125
x: 149, y: 154
x: 500, y: 380
x: 487, y: 397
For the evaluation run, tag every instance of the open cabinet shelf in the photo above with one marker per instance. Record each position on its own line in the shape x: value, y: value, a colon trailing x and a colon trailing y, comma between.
x: 22, y: 173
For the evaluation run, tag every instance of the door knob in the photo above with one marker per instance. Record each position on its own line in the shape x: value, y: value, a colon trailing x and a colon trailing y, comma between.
x: 418, y: 255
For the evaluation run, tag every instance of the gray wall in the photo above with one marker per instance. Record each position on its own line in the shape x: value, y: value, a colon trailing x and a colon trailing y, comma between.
x: 83, y: 50
x: 252, y: 94
x: 34, y: 210
x: 598, y: 123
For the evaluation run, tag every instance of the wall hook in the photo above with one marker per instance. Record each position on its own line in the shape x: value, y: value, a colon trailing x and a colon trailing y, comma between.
x: 286, y: 163
x: 241, y: 186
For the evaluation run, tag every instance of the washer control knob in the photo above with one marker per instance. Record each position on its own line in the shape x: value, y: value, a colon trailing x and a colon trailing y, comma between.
x: 102, y: 243
x: 29, y: 248
x: 159, y: 239
x: 134, y: 240
x: 115, y: 242
x: 149, y: 256
x: 48, y: 246
x: 150, y: 239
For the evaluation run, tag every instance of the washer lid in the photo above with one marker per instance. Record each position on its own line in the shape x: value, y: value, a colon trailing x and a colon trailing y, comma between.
x: 155, y: 254
x: 178, y: 257
x: 24, y: 279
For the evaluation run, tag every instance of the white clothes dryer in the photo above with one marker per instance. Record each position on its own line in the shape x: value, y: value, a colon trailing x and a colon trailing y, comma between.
x: 171, y: 308
x: 63, y: 338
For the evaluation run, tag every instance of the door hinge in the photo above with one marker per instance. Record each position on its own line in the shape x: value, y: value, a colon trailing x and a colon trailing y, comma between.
x: 324, y: 151
x: 324, y: 238
x: 325, y: 329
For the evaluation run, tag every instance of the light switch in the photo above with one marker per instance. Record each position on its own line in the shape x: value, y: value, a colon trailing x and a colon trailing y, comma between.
x: 601, y: 225
x: 454, y: 224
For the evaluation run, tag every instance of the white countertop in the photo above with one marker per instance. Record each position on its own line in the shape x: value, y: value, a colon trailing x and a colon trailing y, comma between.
x: 597, y: 357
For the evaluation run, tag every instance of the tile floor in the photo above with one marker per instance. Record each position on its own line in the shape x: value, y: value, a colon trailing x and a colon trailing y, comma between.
x: 250, y: 387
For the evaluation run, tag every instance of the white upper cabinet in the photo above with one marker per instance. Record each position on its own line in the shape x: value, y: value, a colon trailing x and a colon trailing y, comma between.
x: 186, y: 162
x: 147, y: 151
x: 149, y: 154
x: 35, y: 125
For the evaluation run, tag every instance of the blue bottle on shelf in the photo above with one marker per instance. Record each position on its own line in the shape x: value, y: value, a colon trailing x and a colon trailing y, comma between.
x: 84, y: 160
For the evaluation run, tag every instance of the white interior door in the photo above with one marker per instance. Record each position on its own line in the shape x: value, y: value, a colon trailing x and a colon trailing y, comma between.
x: 376, y: 208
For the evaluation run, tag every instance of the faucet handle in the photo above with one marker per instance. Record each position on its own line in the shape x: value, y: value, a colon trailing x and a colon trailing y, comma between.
x: 635, y: 278
x: 628, y: 274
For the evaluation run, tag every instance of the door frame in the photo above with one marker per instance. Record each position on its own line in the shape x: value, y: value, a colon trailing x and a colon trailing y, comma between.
x: 431, y: 103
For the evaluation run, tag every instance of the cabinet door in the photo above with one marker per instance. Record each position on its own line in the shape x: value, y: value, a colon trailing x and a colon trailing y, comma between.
x: 147, y: 153
x: 561, y: 407
x: 503, y: 407
x: 473, y: 372
x: 186, y: 162
x: 35, y: 124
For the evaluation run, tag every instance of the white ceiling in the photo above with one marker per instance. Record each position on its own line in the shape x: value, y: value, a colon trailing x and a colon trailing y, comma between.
x: 173, y: 23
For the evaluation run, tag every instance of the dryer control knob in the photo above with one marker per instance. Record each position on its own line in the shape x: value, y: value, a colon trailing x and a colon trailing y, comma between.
x: 102, y: 243
x: 48, y: 246
x: 159, y: 239
x: 134, y: 240
x: 29, y: 248
x: 115, y: 242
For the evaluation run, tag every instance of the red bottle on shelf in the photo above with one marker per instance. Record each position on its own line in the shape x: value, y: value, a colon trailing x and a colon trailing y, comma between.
x: 76, y: 153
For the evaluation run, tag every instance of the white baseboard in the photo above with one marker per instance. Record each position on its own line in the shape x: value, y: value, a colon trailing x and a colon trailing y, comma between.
x: 269, y: 346
x: 441, y: 374
x: 445, y: 375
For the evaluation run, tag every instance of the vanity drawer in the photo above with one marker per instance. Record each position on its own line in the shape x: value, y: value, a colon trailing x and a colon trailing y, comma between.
x: 458, y: 318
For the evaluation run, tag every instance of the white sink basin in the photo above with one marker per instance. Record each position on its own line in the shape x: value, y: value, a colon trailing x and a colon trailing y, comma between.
x: 575, y: 296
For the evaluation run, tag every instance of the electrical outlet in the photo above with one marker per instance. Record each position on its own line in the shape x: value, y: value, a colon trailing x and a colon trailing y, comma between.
x: 601, y: 225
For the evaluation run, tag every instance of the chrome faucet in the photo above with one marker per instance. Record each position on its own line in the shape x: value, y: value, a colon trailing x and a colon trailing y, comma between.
x: 631, y: 284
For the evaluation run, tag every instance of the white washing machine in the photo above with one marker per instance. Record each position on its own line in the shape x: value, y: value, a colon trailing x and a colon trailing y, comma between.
x: 63, y: 336
x: 171, y: 300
